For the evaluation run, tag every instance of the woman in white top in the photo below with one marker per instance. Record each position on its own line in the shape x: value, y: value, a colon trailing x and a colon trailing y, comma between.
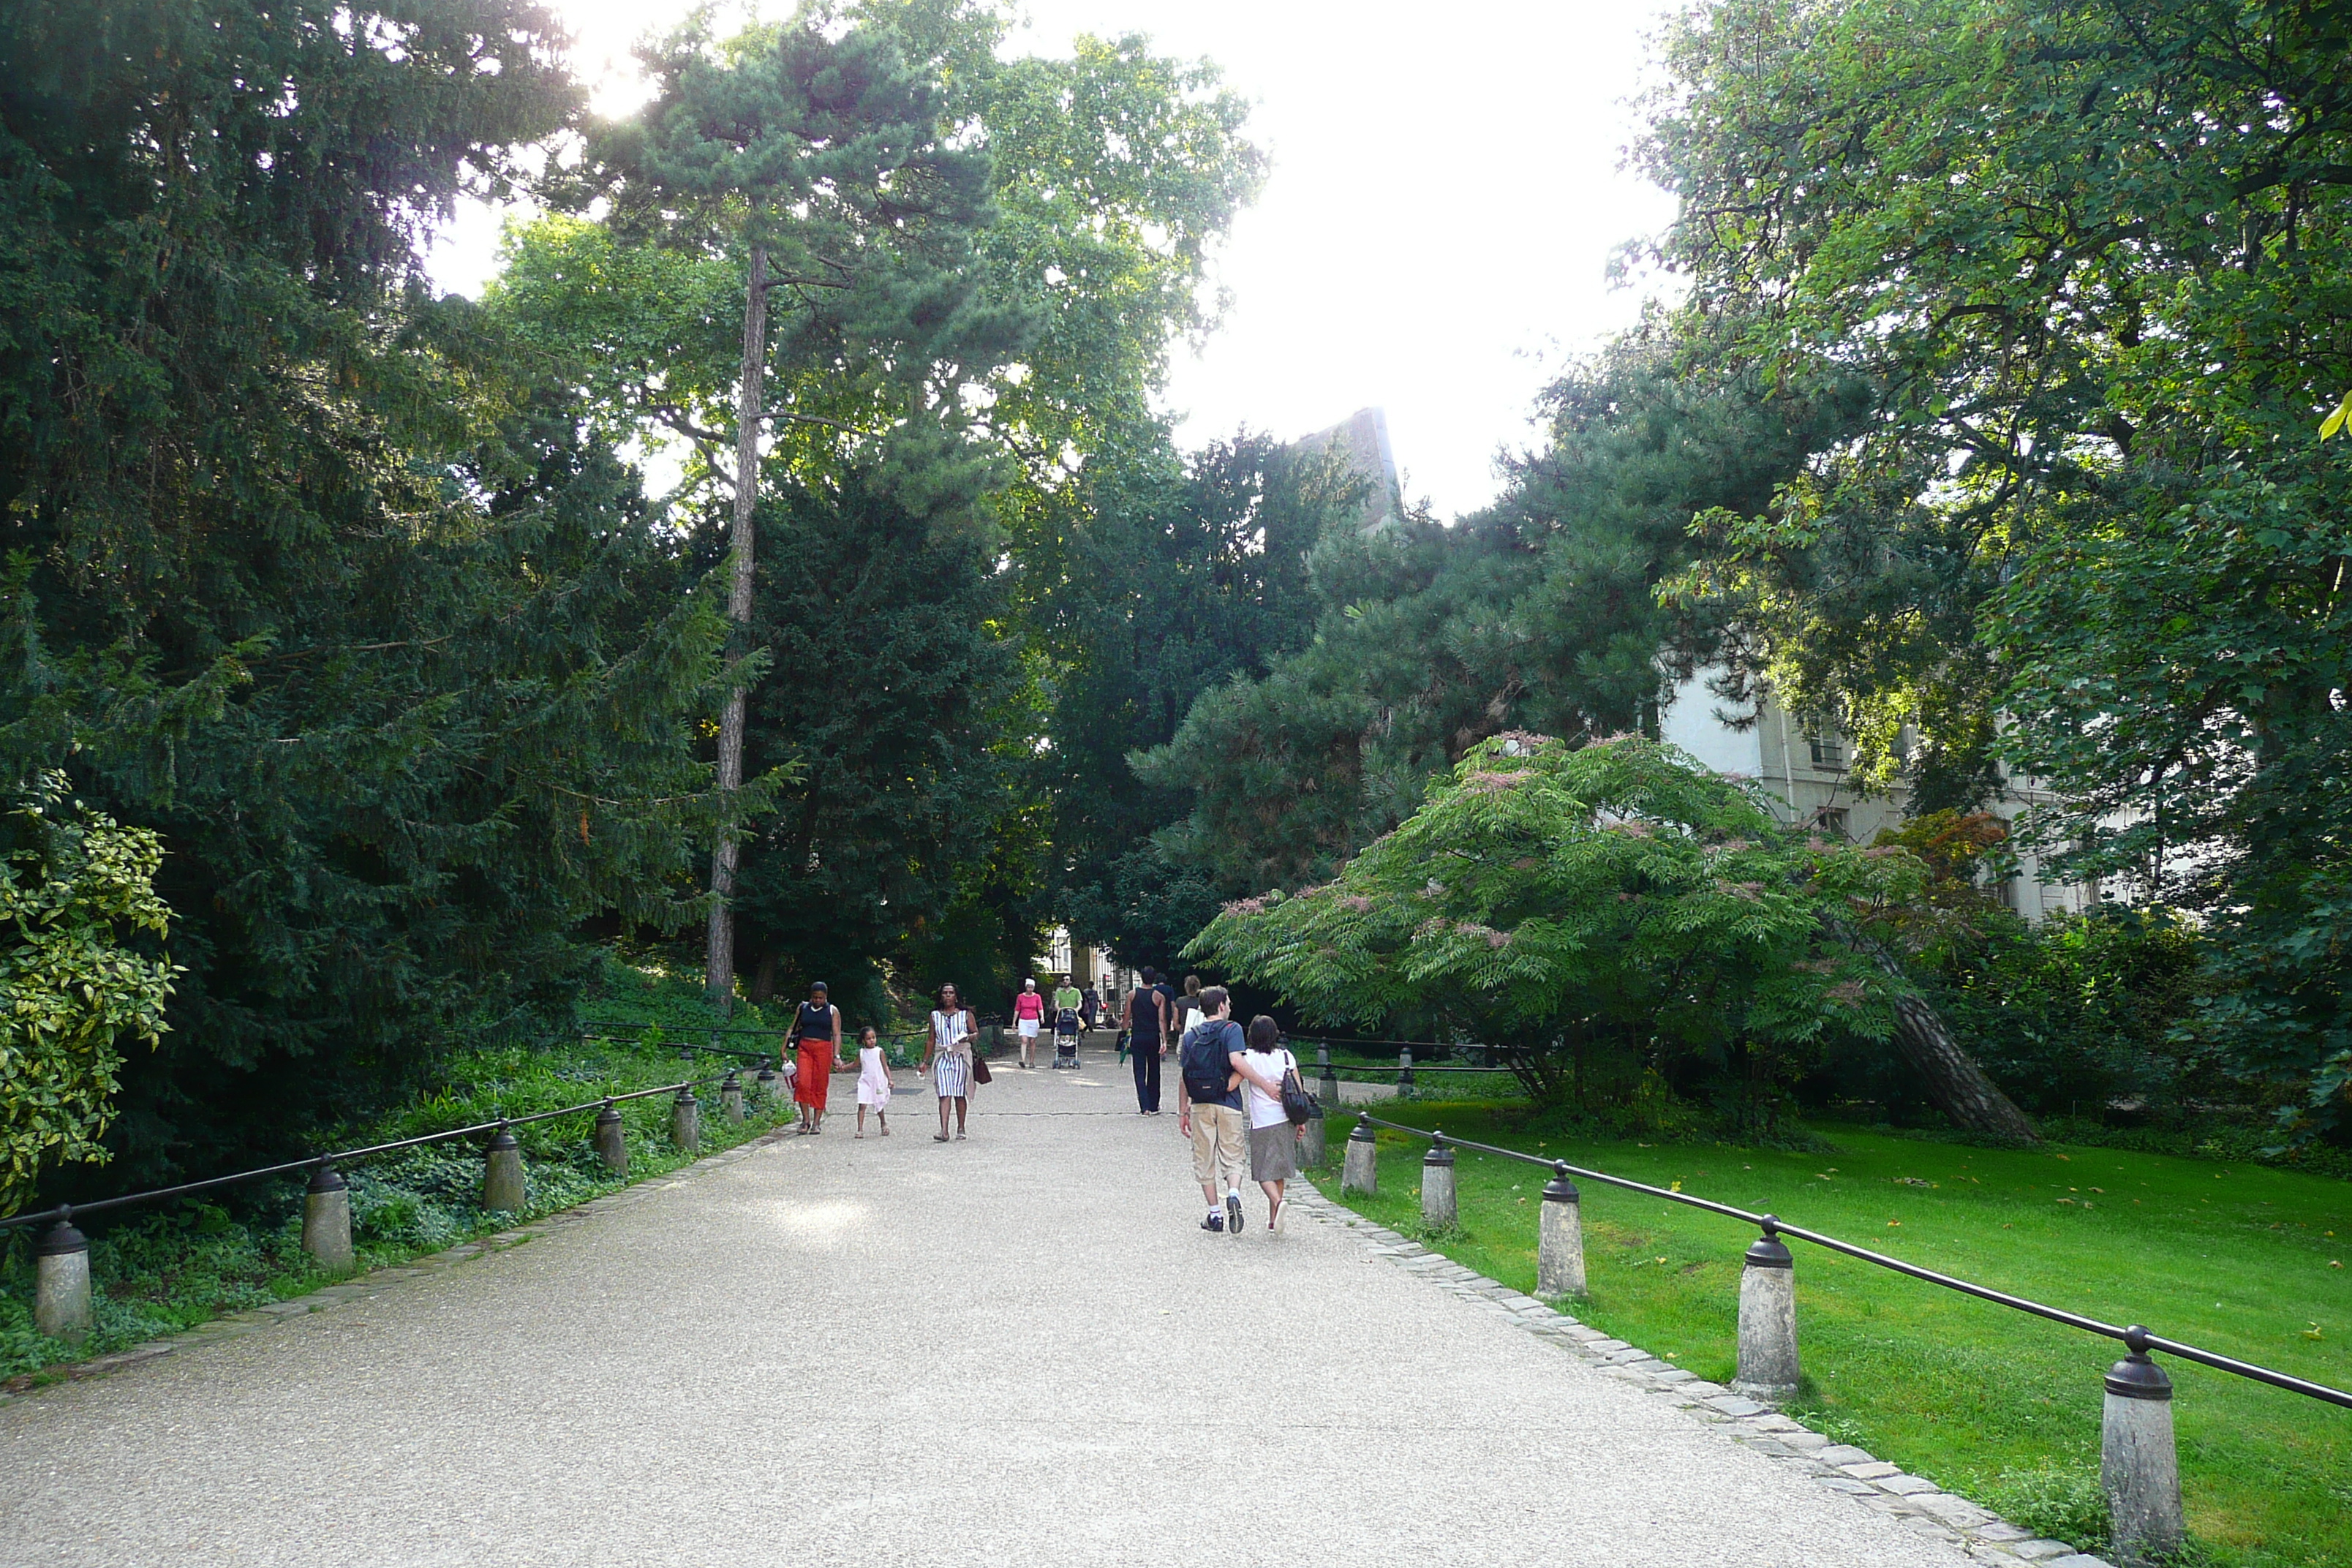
x: 1273, y: 1140
x: 946, y: 1056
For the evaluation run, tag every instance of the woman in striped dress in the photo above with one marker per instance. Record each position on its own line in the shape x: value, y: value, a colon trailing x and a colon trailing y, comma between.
x: 946, y: 1056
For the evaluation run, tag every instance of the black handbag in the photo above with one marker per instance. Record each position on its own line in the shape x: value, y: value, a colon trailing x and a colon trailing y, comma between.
x: 1297, y: 1105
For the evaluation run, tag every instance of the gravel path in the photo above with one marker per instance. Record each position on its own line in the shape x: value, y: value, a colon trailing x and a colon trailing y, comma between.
x: 1015, y: 1349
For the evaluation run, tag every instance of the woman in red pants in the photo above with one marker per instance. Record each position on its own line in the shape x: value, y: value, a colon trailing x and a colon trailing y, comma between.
x: 817, y: 1030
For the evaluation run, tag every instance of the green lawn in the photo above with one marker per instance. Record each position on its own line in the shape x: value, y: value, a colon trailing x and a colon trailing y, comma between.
x: 1987, y: 1401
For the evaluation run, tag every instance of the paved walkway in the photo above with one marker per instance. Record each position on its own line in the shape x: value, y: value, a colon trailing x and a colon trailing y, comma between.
x: 1018, y: 1350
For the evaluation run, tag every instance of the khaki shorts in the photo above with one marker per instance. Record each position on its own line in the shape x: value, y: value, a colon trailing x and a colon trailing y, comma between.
x: 1218, y: 1133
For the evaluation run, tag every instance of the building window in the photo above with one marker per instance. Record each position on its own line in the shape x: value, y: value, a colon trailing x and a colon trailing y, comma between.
x: 1834, y: 823
x: 1828, y: 750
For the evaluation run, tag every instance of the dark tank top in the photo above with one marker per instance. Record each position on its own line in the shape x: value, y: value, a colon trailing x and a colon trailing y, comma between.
x: 816, y: 1023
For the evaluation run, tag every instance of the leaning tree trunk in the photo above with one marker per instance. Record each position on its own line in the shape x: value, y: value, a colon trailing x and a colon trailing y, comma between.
x: 1960, y: 1087
x: 718, y: 965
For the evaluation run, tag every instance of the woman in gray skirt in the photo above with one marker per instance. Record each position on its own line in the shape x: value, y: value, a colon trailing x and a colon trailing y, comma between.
x: 1273, y: 1140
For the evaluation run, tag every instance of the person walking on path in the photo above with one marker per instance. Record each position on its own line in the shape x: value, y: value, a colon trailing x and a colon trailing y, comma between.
x: 1090, y: 1008
x: 1169, y: 1032
x: 873, y: 1082
x: 946, y: 1056
x: 1273, y: 1140
x: 1028, y: 1012
x: 1068, y: 998
x: 1212, y: 1066
x: 1189, y: 1010
x: 1145, y: 1035
x: 816, y: 1031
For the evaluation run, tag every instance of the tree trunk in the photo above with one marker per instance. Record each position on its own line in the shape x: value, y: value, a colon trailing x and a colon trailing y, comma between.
x: 718, y: 965
x: 1960, y: 1087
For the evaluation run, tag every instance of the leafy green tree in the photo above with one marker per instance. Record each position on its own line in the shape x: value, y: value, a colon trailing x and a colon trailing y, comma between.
x: 1569, y: 904
x: 318, y: 579
x: 812, y: 159
x: 1537, y: 613
x: 1112, y: 175
x: 76, y: 894
x: 1191, y: 577
x: 2092, y: 260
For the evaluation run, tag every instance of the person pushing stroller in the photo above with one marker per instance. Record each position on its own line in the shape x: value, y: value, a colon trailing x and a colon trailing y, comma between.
x: 1067, y: 999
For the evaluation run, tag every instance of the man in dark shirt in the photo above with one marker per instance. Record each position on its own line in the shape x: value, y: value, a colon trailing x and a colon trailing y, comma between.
x: 1146, y: 1025
x: 1171, y: 1020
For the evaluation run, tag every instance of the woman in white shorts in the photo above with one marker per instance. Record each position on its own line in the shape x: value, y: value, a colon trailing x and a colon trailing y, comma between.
x: 1273, y: 1140
x: 1028, y: 1013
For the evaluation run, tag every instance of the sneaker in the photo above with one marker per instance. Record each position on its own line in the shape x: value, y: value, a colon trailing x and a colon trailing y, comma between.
x: 1233, y: 1214
x: 1216, y: 1222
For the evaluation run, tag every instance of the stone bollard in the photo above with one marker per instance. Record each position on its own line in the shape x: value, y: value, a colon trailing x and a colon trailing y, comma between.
x: 730, y: 1097
x: 766, y: 1082
x: 1360, y: 1169
x: 1404, y: 1073
x: 611, y: 1140
x: 1328, y: 1076
x: 1559, y: 1238
x: 1437, y: 1211
x: 686, y: 1120
x: 61, y: 1283
x: 1768, y: 1319
x: 502, y: 1172
x: 1310, y: 1140
x: 2138, y: 1467
x: 327, y: 1219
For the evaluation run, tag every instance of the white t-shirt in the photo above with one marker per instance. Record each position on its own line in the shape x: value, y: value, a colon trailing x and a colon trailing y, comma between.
x: 1266, y: 1109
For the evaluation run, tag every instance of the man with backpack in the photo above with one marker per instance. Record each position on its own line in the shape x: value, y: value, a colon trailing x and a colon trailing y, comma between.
x: 1210, y: 1073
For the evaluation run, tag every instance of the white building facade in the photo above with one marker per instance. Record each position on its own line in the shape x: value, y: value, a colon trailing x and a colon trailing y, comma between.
x: 1803, y: 769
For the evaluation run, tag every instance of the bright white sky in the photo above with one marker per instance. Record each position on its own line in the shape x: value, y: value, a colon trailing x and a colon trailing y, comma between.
x: 1445, y: 196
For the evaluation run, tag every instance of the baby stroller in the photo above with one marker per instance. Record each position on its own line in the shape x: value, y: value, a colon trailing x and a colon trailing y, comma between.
x: 1065, y: 1037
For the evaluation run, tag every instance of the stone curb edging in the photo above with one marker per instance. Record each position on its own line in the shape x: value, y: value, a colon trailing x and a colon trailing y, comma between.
x: 1918, y: 1503
x: 376, y: 1281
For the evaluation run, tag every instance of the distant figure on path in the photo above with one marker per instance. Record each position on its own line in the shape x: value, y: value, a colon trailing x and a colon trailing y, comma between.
x: 1090, y: 1007
x: 946, y: 1056
x: 1273, y: 1140
x: 1211, y: 1068
x: 873, y: 1081
x: 1169, y: 1033
x: 817, y: 1030
x: 1146, y: 1032
x: 1028, y: 1012
x: 1189, y: 1008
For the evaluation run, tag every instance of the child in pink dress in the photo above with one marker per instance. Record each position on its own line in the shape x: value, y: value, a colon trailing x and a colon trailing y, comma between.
x: 873, y: 1082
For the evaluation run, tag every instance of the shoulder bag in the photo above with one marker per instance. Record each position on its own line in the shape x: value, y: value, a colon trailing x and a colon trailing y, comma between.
x: 1299, y: 1107
x: 980, y: 1073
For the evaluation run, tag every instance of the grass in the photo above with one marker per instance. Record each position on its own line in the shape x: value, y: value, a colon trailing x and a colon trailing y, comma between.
x: 160, y: 1272
x: 1987, y: 1401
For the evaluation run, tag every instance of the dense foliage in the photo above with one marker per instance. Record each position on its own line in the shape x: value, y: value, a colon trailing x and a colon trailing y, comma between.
x: 1596, y: 912
x: 308, y: 574
x: 1536, y: 614
x: 2095, y: 263
x: 77, y: 904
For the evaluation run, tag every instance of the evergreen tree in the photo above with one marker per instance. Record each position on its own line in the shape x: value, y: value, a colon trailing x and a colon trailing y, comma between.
x: 309, y: 576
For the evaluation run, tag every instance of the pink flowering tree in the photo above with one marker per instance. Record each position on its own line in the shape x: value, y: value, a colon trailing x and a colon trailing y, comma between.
x: 1605, y: 915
